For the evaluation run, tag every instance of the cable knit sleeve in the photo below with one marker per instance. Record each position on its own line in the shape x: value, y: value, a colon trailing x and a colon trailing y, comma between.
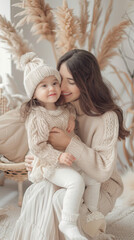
x: 98, y: 160
x: 38, y: 133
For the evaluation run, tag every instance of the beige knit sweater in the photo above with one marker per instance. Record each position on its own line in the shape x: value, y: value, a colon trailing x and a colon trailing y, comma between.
x: 38, y: 124
x: 97, y: 153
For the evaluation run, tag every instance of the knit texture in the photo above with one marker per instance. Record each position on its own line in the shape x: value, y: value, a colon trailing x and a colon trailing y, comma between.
x: 38, y: 125
x: 98, y: 154
x: 35, y: 70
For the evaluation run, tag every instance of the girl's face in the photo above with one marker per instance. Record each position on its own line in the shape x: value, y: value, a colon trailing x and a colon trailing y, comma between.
x: 48, y: 90
x: 69, y: 90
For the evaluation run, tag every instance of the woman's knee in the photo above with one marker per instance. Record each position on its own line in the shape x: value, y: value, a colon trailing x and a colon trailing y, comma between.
x: 105, y: 203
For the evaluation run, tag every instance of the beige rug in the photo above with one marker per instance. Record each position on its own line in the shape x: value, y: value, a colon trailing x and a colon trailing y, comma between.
x: 7, y: 222
x: 119, y: 223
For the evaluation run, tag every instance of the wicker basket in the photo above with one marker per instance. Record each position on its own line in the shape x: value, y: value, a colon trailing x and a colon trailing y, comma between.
x: 14, y: 171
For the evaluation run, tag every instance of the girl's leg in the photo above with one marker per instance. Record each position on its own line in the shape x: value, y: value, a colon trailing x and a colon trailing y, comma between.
x: 95, y: 220
x: 73, y: 182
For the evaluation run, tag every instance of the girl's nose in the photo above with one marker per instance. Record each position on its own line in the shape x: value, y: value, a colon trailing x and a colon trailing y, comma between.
x: 51, y: 87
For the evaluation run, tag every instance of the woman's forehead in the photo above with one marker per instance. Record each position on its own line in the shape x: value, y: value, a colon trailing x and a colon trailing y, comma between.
x: 64, y: 71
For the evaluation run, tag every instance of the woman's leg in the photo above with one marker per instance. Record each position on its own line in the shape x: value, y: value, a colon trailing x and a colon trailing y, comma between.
x: 58, y: 205
x: 37, y: 219
x: 92, y: 192
x: 73, y: 182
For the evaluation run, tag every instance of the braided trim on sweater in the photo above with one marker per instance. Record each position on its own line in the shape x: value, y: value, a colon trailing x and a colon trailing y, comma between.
x: 111, y: 130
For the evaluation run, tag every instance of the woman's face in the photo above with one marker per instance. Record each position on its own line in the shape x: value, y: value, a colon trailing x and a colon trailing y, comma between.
x: 69, y: 90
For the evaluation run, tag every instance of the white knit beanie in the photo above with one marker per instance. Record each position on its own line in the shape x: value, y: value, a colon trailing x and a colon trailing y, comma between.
x: 35, y: 70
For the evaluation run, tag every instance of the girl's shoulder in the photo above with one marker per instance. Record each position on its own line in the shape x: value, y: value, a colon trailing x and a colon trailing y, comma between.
x: 36, y: 113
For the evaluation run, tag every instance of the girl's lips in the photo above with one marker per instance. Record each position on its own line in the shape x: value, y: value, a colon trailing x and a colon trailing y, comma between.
x: 53, y: 94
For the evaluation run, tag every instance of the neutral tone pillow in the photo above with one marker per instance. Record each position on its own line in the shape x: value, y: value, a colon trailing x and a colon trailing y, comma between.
x: 13, y: 136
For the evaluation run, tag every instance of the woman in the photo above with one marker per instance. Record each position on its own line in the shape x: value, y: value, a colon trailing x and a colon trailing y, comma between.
x: 100, y: 125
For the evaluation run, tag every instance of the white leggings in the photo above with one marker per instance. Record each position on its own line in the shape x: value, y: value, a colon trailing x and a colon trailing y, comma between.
x: 70, y: 179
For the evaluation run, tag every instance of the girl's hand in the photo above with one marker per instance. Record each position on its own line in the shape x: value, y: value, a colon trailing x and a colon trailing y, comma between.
x: 67, y: 159
x: 59, y: 139
x: 71, y: 124
x: 28, y: 162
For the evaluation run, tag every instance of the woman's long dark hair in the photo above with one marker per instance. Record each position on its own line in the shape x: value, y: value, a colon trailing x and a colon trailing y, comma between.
x: 95, y: 98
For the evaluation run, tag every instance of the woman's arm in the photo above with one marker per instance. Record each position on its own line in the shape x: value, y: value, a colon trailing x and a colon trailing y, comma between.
x: 98, y: 160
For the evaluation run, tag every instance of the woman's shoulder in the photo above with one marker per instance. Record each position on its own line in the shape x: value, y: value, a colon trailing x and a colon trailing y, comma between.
x: 109, y: 120
x: 107, y: 126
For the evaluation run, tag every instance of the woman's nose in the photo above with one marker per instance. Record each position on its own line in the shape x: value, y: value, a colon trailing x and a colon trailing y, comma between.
x: 63, y: 86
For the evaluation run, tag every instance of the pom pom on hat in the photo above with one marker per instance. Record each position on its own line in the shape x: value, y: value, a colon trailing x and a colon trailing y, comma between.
x: 35, y: 70
x: 26, y: 58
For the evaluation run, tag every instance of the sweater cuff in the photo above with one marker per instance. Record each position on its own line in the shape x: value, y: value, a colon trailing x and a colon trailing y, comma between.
x: 75, y: 147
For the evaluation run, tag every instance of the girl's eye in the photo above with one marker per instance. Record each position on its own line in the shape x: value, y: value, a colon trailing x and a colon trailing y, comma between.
x: 44, y: 85
x: 55, y: 83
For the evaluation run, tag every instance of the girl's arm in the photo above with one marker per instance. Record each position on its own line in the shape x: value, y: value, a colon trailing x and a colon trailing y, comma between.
x: 72, y: 118
x: 38, y: 132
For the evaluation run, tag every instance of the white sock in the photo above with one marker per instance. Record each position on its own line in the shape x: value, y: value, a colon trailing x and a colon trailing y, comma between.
x: 70, y: 230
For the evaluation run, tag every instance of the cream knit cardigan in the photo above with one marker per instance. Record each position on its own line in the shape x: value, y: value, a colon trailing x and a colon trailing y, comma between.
x: 38, y: 124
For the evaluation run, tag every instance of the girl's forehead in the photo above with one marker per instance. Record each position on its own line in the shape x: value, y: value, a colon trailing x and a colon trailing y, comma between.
x: 48, y: 79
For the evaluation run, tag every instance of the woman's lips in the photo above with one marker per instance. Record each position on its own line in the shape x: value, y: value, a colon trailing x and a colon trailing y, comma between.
x: 65, y: 94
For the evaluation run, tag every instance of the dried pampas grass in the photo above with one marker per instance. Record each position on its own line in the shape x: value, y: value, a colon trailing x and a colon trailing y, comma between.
x: 94, y: 23
x: 83, y: 22
x: 110, y: 43
x: 40, y: 15
x: 16, y: 45
x: 118, y: 73
x: 107, y: 16
x: 67, y: 28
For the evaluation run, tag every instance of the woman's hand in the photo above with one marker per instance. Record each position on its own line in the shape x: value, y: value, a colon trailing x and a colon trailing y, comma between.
x: 28, y: 162
x: 59, y: 139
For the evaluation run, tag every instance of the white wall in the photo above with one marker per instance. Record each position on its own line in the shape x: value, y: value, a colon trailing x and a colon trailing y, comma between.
x: 5, y: 60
